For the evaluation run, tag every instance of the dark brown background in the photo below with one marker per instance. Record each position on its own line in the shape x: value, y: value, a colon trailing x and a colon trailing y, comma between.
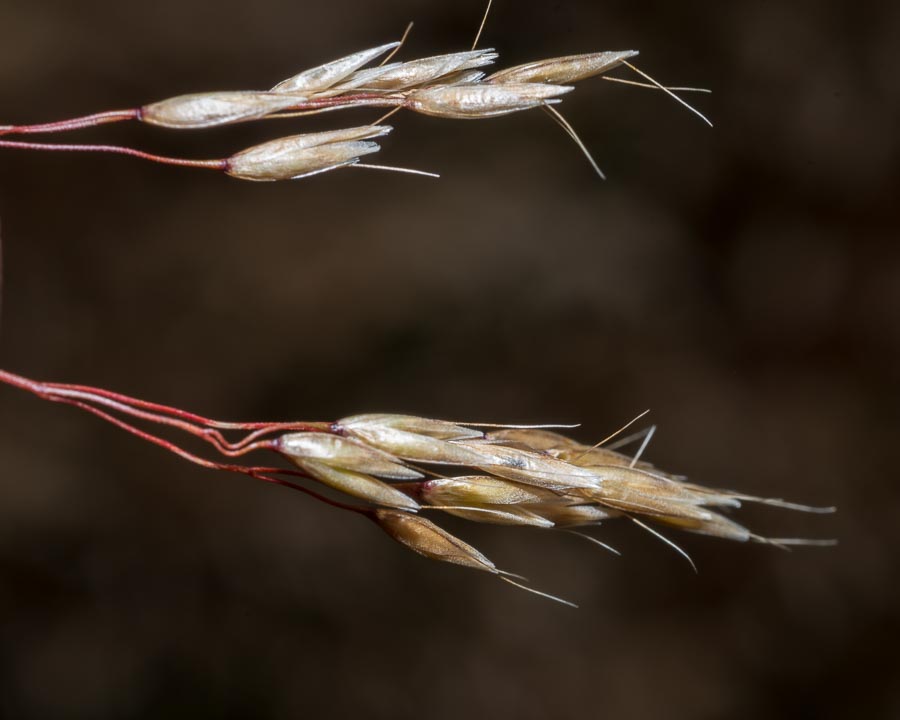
x: 743, y: 282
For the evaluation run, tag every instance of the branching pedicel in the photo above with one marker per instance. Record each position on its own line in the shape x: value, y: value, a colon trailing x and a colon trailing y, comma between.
x: 393, y: 468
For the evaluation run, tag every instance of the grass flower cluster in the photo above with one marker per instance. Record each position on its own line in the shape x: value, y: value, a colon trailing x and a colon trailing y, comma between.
x: 454, y: 85
x: 397, y: 469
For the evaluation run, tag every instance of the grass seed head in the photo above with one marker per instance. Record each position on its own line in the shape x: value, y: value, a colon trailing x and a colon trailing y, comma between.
x: 598, y: 456
x: 400, y: 76
x: 716, y: 526
x: 481, y: 490
x: 540, y: 478
x: 532, y: 468
x: 440, y: 429
x: 325, y: 76
x: 533, y: 438
x: 298, y: 156
x: 414, y: 438
x: 345, y: 454
x: 417, y: 447
x: 463, y: 77
x: 565, y: 448
x: 358, y: 485
x: 424, y: 537
x: 564, y: 515
x: 204, y: 110
x: 482, y: 100
x: 636, y: 491
x: 563, y: 70
x: 500, y: 515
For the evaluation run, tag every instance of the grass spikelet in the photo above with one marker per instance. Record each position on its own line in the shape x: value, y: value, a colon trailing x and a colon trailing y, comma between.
x: 573, y: 514
x: 401, y: 76
x: 440, y: 429
x: 481, y: 489
x: 324, y: 77
x: 344, y: 453
x: 424, y: 537
x: 356, y: 484
x: 478, y: 101
x: 563, y: 70
x: 205, y: 110
x: 299, y: 156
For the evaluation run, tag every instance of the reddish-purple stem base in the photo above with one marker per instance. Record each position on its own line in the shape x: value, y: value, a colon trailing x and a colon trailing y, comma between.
x: 103, y: 403
x: 77, y: 123
x: 116, y: 150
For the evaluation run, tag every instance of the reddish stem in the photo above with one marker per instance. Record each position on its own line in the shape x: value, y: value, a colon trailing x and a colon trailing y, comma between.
x: 263, y: 473
x: 117, y: 150
x: 77, y: 123
x: 83, y: 396
x: 197, y: 425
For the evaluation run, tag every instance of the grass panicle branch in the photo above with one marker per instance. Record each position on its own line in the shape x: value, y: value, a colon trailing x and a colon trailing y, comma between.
x: 393, y: 468
x: 452, y: 85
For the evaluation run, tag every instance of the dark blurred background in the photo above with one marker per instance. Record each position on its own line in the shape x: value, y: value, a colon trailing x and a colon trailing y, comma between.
x: 742, y: 282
